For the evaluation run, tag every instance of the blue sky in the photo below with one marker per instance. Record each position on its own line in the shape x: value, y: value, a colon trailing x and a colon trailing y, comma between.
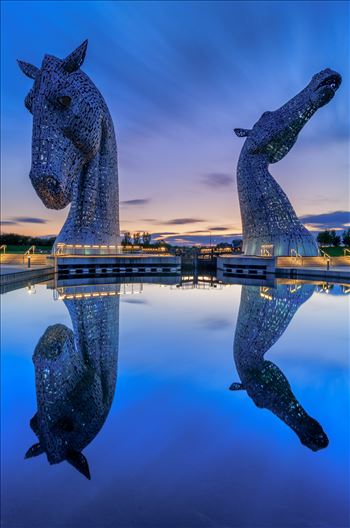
x: 178, y: 77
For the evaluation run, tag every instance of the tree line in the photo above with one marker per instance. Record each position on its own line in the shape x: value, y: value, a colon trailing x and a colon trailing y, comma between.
x: 330, y: 238
x: 136, y: 239
x: 12, y: 239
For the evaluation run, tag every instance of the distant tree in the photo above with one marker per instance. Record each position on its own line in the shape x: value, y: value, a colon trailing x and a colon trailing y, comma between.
x: 126, y: 239
x: 324, y: 238
x: 346, y: 237
x: 237, y: 242
x: 146, y: 238
x: 335, y: 239
x: 137, y: 238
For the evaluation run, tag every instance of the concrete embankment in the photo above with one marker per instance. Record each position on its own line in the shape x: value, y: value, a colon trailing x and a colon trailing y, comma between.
x: 338, y: 269
x: 21, y: 276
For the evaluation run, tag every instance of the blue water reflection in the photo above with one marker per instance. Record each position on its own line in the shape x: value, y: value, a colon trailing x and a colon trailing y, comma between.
x: 264, y: 315
x: 75, y: 377
x: 175, y: 447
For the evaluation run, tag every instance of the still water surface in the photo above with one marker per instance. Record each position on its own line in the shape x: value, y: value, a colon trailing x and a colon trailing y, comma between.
x: 157, y: 406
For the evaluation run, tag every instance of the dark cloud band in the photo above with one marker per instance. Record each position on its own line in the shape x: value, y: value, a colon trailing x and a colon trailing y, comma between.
x: 137, y: 201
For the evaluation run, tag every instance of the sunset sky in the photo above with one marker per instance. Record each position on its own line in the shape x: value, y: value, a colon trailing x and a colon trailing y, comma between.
x: 178, y: 77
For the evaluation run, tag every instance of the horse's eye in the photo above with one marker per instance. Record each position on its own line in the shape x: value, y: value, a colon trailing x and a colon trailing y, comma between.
x: 64, y: 101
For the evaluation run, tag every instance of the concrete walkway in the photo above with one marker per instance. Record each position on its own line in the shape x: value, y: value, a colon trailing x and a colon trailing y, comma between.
x: 16, y: 268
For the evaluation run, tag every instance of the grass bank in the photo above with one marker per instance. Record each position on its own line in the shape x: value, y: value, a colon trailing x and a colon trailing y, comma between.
x: 23, y: 249
x: 335, y: 251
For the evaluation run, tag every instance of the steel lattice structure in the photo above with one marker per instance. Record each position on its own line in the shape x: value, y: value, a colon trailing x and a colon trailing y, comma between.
x: 268, y: 218
x: 74, y: 152
x: 264, y: 314
x: 75, y: 377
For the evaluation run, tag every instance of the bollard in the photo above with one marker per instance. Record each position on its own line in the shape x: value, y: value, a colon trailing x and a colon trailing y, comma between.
x: 28, y: 261
x: 327, y: 264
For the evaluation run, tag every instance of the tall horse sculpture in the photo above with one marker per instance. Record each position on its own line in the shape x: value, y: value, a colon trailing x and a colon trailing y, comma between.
x: 75, y: 375
x: 74, y: 152
x: 262, y: 319
x: 268, y: 218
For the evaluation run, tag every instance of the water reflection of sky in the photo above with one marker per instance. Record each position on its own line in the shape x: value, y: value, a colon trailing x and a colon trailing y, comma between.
x: 178, y: 448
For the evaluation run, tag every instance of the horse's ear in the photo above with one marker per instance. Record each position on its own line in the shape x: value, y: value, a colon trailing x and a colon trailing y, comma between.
x: 237, y: 386
x: 76, y: 58
x: 34, y: 451
x: 241, y: 132
x: 28, y: 69
x: 77, y: 460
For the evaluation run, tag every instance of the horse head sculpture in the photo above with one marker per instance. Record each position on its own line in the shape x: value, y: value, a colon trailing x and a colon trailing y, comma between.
x: 268, y: 217
x: 75, y: 374
x: 276, y: 132
x: 74, y: 153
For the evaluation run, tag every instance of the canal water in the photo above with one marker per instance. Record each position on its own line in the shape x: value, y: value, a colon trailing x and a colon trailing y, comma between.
x: 175, y: 405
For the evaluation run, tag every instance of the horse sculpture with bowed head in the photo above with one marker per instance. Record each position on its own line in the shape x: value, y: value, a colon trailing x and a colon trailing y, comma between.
x: 74, y: 152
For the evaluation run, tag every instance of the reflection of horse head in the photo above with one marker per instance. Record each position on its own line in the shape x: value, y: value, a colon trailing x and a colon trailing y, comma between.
x: 264, y: 315
x: 75, y: 374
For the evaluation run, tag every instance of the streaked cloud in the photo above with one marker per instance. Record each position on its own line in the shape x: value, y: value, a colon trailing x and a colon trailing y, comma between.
x: 30, y: 220
x: 24, y: 220
x: 192, y: 240
x: 164, y: 233
x: 215, y: 323
x: 136, y: 201
x: 331, y: 220
x: 133, y: 300
x: 219, y: 228
x: 217, y: 179
x: 183, y: 221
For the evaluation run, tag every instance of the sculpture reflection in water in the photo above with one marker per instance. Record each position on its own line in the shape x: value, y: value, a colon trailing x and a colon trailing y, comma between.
x: 264, y: 315
x: 75, y: 375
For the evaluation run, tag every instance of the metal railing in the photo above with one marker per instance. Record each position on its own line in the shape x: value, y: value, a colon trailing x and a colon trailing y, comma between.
x: 267, y: 250
x: 296, y: 256
x: 3, y: 248
x: 30, y: 250
x: 27, y: 254
x: 346, y: 250
x: 265, y: 293
x: 327, y: 257
x: 293, y: 288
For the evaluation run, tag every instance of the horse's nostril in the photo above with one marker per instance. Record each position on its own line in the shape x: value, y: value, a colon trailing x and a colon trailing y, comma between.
x: 51, y: 181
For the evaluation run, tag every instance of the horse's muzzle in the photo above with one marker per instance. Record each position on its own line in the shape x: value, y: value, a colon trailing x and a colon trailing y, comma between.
x: 50, y: 191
